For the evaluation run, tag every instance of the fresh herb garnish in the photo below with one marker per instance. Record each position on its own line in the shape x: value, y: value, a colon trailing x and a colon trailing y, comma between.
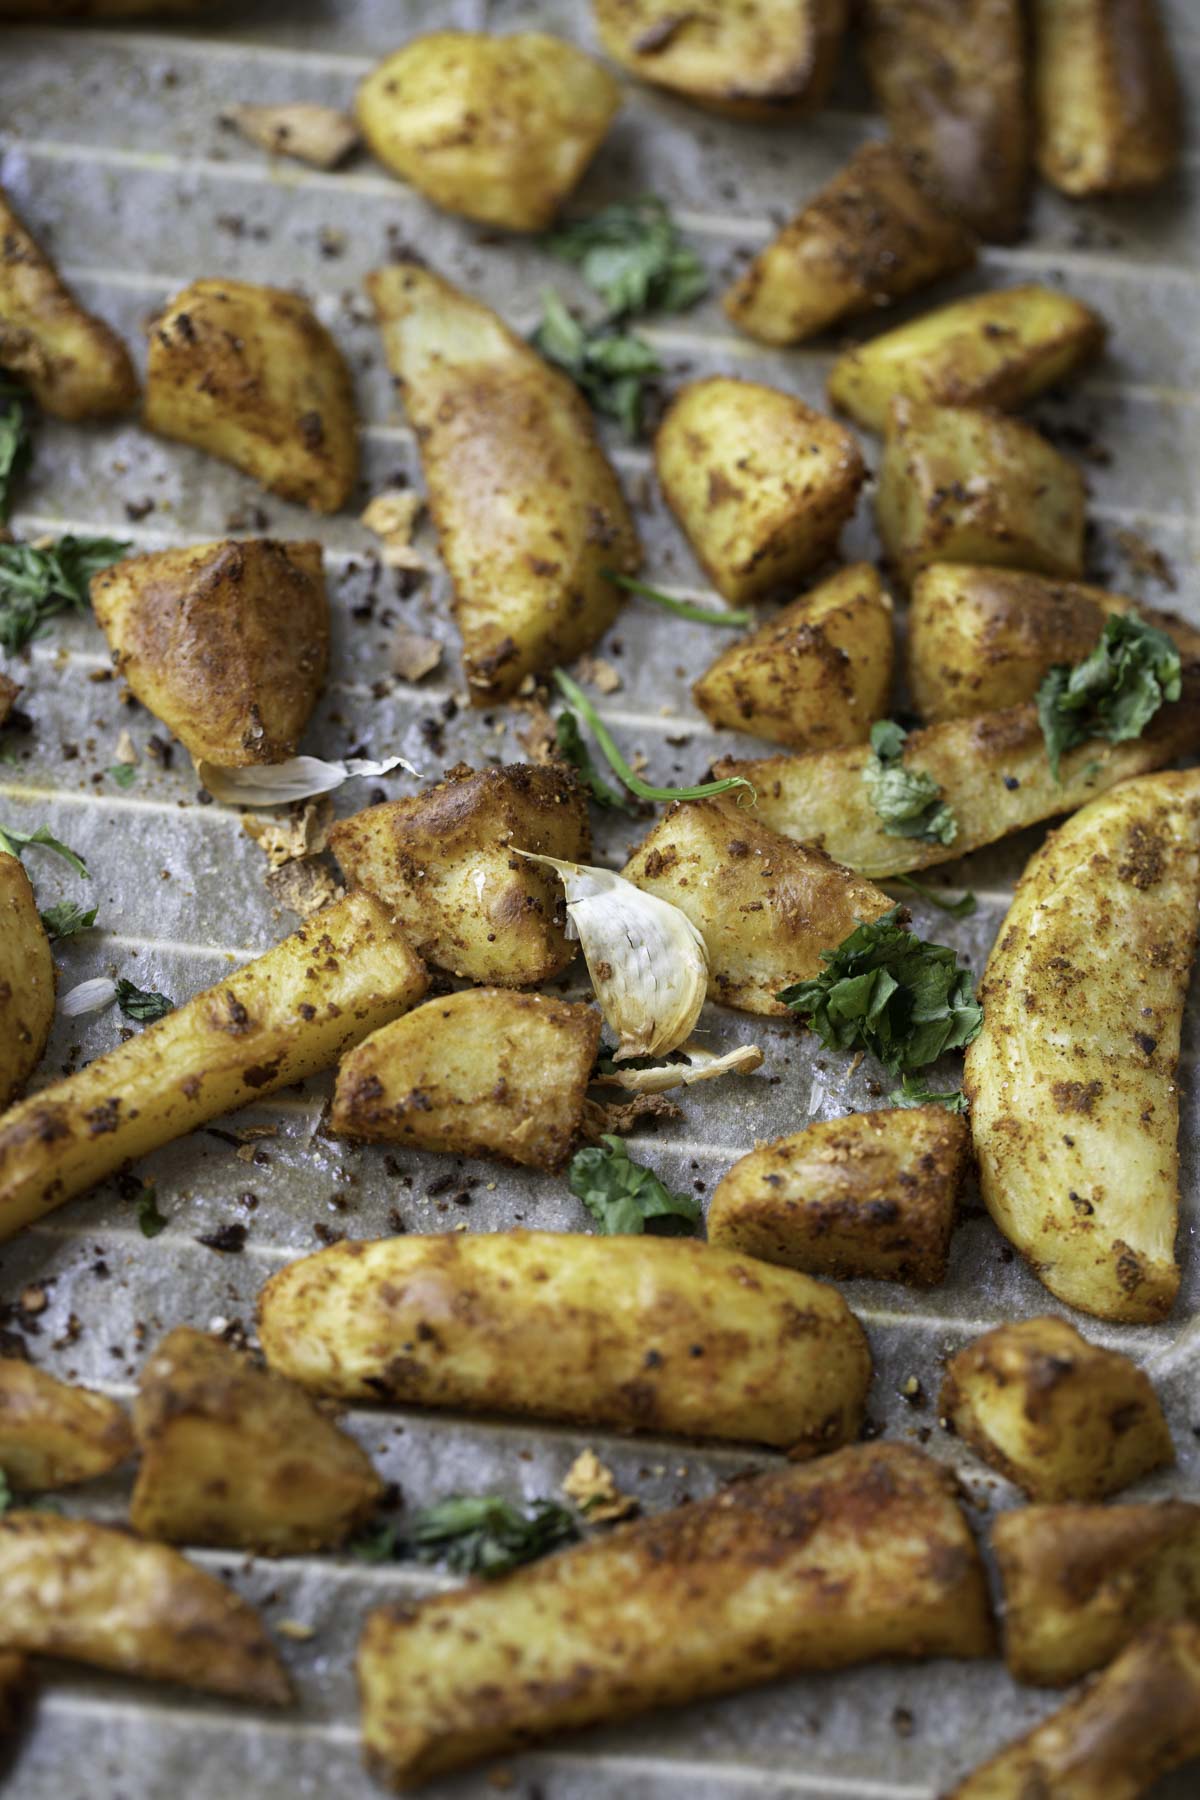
x: 573, y: 750
x: 579, y: 700
x: 380, y: 1543
x: 908, y: 801
x: 16, y: 444
x: 915, y: 1091
x: 623, y: 1197
x: 137, y: 1003
x: 957, y: 909
x: 5, y: 1493
x: 66, y: 918
x: 631, y: 253
x: 150, y: 1220
x: 37, y: 584
x: 887, y: 991
x: 608, y: 365
x: 15, y: 841
x: 1114, y: 692
x: 686, y: 609
x: 124, y: 774
x: 485, y: 1535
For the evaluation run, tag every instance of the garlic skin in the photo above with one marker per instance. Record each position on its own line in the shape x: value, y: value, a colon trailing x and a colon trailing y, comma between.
x: 89, y: 997
x: 278, y: 784
x: 703, y: 1065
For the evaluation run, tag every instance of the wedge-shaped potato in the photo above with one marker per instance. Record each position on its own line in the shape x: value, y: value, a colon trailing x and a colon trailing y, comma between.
x: 638, y: 1333
x: 995, y: 349
x: 285, y: 1015
x: 765, y: 908
x: 761, y: 483
x: 75, y: 365
x: 483, y: 1073
x: 870, y: 236
x: 497, y: 128
x: 15, y: 1687
x: 53, y: 1434
x: 1075, y: 1111
x: 1109, y: 110
x: 94, y: 1595
x: 528, y: 510
x: 252, y: 376
x: 964, y: 484
x: 951, y: 78
x: 442, y: 862
x: 865, y: 1554
x: 818, y: 674
x: 873, y: 1195
x: 226, y: 643
x: 26, y: 980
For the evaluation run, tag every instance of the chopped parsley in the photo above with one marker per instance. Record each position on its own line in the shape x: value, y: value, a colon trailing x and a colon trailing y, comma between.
x: 5, y: 1493
x: 962, y: 908
x: 573, y: 750
x: 15, y: 842
x: 150, y: 1220
x: 1114, y: 692
x: 582, y: 705
x: 66, y: 918
x: 124, y: 774
x: 137, y: 1003
x: 909, y: 802
x: 16, y: 444
x: 914, y: 1091
x: 686, y: 609
x: 37, y: 584
x: 623, y: 1197
x: 632, y: 255
x: 472, y: 1534
x: 608, y: 365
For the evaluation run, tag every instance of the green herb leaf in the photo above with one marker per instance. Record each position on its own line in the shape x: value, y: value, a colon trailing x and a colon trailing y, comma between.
x: 37, y: 584
x: 150, y: 1220
x: 579, y: 700
x: 623, y: 1197
x: 485, y: 1535
x: 632, y: 255
x: 5, y: 1493
x: 1113, y: 693
x: 914, y: 1091
x: 124, y: 774
x: 138, y: 1004
x: 572, y: 749
x: 957, y: 909
x: 16, y: 445
x: 609, y: 366
x: 908, y: 801
x: 686, y: 609
x: 378, y: 1544
x: 887, y: 991
x: 66, y: 918
x: 15, y: 841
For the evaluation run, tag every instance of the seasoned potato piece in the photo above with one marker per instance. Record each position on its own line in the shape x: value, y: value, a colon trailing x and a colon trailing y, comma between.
x: 1075, y: 1111
x: 27, y: 980
x: 76, y: 366
x: 872, y: 1195
x: 226, y: 643
x: 1108, y: 105
x: 318, y: 135
x: 995, y: 349
x: 817, y: 674
x: 865, y: 1554
x: 15, y: 1687
x: 53, y: 1434
x: 442, y: 863
x: 251, y: 375
x: 871, y: 235
x: 482, y: 1073
x: 529, y: 513
x: 283, y: 1016
x: 638, y: 1333
x: 761, y: 483
x: 765, y: 908
x: 233, y: 1454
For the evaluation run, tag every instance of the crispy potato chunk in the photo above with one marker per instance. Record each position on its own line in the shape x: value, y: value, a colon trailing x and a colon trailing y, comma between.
x: 53, y: 1434
x: 873, y: 1195
x: 283, y: 1016
x: 75, y: 365
x: 442, y: 863
x: 250, y: 375
x: 226, y: 643
x: 765, y: 908
x: 995, y: 349
x: 528, y: 510
x: 27, y: 979
x: 817, y: 674
x: 761, y: 483
x: 1109, y: 109
x: 596, y: 1330
x: 871, y: 235
x: 865, y: 1554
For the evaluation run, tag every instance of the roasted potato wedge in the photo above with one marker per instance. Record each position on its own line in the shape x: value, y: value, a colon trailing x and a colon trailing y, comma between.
x: 53, y: 1434
x: 818, y: 674
x: 528, y: 510
x: 1108, y: 105
x: 226, y: 643
x: 760, y: 483
x: 442, y: 863
x: 872, y: 1196
x: 637, y: 1333
x: 27, y: 979
x: 250, y: 375
x: 1074, y: 1107
x: 870, y: 236
x: 283, y: 1016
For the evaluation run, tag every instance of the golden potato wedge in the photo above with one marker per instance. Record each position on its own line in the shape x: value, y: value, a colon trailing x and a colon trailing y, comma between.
x: 250, y: 375
x: 765, y: 908
x: 1137, y: 1721
x: 442, y: 863
x: 1074, y: 1107
x: 637, y: 1333
x: 970, y: 485
x: 529, y: 512
x: 499, y: 129
x: 760, y: 483
x: 226, y: 643
x: 95, y: 1595
x: 15, y: 1687
x: 817, y: 674
x: 283, y: 1016
x: 869, y: 236
x: 865, y: 1554
x: 27, y: 979
x: 1107, y: 101
x: 873, y: 1196
x: 951, y: 77
x: 53, y: 1434
x: 995, y: 349
x: 75, y: 365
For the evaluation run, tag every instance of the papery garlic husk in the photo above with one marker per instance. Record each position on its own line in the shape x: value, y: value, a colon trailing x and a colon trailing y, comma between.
x: 704, y: 1065
x: 646, y: 959
x: 89, y: 997
x: 278, y: 784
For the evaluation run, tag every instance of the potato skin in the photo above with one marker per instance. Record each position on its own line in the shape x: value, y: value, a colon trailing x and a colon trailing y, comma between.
x: 27, y: 980
x: 1107, y: 99
x: 250, y: 375
x: 227, y: 643
x: 283, y: 1016
x: 499, y: 129
x: 442, y: 863
x: 594, y: 1330
x: 817, y: 674
x: 53, y: 1434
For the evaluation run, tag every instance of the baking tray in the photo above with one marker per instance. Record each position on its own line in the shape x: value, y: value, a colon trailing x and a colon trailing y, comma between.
x: 111, y: 145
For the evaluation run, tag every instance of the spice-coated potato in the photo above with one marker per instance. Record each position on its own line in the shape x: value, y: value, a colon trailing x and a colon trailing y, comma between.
x: 1108, y: 105
x: 27, y: 980
x: 53, y: 1434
